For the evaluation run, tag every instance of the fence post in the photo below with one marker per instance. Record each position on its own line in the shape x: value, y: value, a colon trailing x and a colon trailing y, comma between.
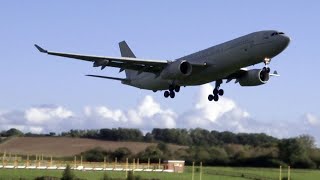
x: 75, y: 161
x: 15, y: 161
x: 51, y: 161
x: 148, y: 163
x: 288, y: 172
x: 133, y: 165
x: 193, y: 170
x: 104, y: 163
x: 81, y: 161
x: 27, y: 164
x: 159, y: 163
x: 200, y: 170
x: 39, y: 163
x: 280, y: 173
x: 138, y: 163
x: 36, y: 162
x: 127, y: 167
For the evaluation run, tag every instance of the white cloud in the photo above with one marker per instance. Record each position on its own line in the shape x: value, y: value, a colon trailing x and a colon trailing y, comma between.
x: 148, y: 114
x: 43, y: 114
x: 311, y: 119
x: 221, y: 115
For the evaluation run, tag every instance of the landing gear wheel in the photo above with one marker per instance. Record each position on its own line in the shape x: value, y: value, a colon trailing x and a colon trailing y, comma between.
x: 172, y: 94
x: 210, y: 97
x: 177, y: 89
x: 268, y: 70
x: 216, y: 98
x: 166, y: 94
x: 221, y: 92
x: 215, y: 91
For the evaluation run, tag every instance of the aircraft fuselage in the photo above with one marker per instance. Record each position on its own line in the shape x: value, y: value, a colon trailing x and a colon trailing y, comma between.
x: 222, y: 60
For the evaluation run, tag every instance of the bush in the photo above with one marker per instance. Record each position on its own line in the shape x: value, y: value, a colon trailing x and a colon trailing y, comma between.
x: 122, y: 153
x: 68, y: 174
x: 304, y: 163
x: 95, y: 155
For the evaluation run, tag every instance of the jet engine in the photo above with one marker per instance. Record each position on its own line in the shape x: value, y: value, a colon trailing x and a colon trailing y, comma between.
x: 254, y: 77
x: 177, y: 70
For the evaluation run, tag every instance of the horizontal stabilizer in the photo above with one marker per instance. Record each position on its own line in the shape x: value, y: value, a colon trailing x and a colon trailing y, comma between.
x: 107, y: 77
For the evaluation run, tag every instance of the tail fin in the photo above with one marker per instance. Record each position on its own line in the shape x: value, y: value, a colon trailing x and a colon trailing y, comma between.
x: 126, y: 52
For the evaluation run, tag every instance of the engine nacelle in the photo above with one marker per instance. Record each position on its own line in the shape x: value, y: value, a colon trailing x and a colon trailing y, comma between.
x: 254, y: 77
x: 177, y: 70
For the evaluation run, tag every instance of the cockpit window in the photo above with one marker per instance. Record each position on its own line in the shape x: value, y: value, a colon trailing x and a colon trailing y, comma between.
x: 276, y: 33
x: 273, y: 34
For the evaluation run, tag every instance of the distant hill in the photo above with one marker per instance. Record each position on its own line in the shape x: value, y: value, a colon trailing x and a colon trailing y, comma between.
x: 67, y: 146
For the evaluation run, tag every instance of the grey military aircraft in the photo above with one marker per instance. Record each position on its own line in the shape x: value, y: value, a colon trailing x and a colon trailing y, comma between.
x: 226, y: 61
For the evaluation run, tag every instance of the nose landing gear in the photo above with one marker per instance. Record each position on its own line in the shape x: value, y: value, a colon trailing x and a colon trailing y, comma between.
x: 216, y: 92
x: 266, y: 65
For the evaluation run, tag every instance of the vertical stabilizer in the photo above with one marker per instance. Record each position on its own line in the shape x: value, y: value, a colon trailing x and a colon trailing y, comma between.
x: 126, y: 52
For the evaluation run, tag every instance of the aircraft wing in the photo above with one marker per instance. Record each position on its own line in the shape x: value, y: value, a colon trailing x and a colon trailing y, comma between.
x: 119, y: 62
x: 141, y: 65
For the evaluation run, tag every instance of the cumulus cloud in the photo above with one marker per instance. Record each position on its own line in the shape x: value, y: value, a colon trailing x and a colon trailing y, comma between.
x: 221, y: 115
x: 36, y: 119
x: 147, y: 114
x: 44, y: 114
x: 224, y: 115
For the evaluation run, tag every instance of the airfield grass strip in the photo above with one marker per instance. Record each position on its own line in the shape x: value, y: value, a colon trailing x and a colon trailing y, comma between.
x: 238, y: 174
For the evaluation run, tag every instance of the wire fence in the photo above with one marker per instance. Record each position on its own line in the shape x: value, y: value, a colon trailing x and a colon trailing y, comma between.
x: 41, y: 162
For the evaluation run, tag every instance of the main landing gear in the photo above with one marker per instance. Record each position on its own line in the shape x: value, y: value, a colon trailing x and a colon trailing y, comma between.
x: 216, y: 92
x: 171, y: 92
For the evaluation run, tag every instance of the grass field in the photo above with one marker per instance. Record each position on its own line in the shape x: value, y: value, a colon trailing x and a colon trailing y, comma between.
x: 56, y: 146
x: 208, y: 174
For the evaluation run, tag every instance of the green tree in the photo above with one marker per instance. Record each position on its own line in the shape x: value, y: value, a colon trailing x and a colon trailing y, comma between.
x: 68, y: 174
x: 13, y: 132
x: 294, y: 152
x: 152, y: 152
x: 122, y: 153
x: 95, y: 155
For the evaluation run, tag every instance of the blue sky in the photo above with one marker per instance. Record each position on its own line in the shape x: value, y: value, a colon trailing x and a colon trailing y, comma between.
x: 156, y: 30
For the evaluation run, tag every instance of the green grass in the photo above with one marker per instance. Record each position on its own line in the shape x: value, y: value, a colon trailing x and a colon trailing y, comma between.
x: 208, y: 174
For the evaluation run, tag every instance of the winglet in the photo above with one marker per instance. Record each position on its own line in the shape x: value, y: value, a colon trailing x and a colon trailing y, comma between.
x: 40, y: 49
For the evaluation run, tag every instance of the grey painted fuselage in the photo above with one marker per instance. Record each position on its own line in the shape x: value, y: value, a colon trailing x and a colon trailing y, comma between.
x: 222, y: 60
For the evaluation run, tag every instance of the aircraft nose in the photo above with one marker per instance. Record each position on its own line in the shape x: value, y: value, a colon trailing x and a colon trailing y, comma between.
x: 285, y: 40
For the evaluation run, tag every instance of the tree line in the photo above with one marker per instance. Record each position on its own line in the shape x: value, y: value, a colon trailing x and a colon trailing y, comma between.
x: 191, y: 137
